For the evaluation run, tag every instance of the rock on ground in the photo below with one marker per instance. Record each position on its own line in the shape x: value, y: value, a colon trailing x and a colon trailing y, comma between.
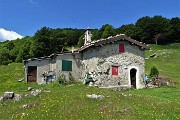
x: 8, y: 95
x: 30, y: 88
x: 97, y: 97
x: 17, y: 97
x: 1, y: 99
x: 35, y: 92
x: 29, y: 105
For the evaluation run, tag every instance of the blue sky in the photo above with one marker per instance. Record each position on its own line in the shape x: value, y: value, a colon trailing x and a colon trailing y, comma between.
x: 25, y: 17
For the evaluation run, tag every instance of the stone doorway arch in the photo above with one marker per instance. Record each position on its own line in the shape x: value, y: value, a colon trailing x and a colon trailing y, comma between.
x: 133, y: 74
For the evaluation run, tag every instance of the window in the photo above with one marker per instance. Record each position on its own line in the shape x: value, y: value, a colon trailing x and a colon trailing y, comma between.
x: 121, y: 48
x: 66, y: 65
x: 115, y: 70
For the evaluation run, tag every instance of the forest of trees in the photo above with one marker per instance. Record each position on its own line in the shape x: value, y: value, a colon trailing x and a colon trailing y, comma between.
x: 151, y: 30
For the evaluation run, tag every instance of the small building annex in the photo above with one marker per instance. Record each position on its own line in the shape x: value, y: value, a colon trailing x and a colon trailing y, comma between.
x: 114, y: 61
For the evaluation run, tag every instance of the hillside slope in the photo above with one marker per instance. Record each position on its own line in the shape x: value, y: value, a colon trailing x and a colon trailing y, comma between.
x: 71, y: 102
x: 167, y: 60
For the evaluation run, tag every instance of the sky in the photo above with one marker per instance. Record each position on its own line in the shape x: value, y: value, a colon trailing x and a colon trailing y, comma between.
x: 20, y: 18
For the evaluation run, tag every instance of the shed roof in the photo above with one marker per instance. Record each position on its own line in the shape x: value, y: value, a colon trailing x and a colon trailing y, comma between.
x: 114, y: 39
x: 51, y: 56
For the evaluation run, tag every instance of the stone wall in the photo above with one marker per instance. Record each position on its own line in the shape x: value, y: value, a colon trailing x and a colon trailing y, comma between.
x: 99, y: 61
x: 55, y: 64
x: 43, y: 66
x: 76, y: 66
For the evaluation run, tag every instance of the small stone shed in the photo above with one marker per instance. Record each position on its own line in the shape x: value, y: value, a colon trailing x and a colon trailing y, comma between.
x: 111, y: 62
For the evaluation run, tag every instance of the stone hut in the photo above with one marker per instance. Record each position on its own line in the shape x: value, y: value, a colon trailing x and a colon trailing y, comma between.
x: 116, y: 61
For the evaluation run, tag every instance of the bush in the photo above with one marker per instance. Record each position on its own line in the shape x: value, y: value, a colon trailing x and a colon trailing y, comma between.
x: 62, y: 80
x: 154, y: 72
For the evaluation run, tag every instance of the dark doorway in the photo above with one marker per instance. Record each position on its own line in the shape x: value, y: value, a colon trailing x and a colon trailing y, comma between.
x: 133, y: 77
x: 32, y: 73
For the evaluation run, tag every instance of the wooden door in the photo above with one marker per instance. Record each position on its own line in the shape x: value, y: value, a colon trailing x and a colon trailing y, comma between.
x: 32, y: 74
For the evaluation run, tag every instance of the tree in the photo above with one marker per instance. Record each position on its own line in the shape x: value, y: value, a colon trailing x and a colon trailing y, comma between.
x: 106, y: 31
x: 144, y: 29
x: 153, y: 29
x: 96, y: 34
x: 81, y: 41
x: 160, y: 28
x: 9, y: 45
x: 129, y: 30
x: 42, y: 42
x: 25, y: 51
x: 174, y: 32
x: 5, y: 56
x: 72, y: 36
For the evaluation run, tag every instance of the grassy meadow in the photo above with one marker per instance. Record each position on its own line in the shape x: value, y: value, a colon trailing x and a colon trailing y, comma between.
x: 70, y: 102
x: 167, y: 61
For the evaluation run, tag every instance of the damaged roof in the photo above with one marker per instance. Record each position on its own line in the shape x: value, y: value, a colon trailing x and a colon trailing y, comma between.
x: 51, y: 56
x: 114, y: 39
x: 100, y: 42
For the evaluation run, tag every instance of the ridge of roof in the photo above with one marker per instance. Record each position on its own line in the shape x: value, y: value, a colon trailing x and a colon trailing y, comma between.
x: 112, y: 39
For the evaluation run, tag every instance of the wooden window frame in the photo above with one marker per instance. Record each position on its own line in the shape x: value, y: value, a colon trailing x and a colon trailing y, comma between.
x: 115, y: 70
x: 66, y: 65
x: 121, y: 48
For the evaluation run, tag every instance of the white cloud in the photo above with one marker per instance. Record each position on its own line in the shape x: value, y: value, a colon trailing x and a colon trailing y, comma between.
x: 32, y: 2
x: 8, y: 35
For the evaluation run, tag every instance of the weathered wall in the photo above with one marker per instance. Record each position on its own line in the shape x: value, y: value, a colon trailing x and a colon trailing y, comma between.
x: 43, y: 65
x: 99, y: 61
x: 76, y: 65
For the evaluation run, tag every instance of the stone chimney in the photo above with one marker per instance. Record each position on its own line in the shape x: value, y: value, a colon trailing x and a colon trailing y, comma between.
x: 87, y: 36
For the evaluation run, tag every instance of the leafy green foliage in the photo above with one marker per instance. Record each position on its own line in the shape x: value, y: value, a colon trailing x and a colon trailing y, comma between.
x: 155, y: 30
x: 62, y: 80
x: 81, y: 41
x: 5, y: 56
x: 151, y: 30
x: 154, y: 72
x: 129, y: 30
x: 25, y: 51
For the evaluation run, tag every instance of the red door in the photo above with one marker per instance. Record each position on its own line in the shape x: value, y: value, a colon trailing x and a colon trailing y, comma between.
x: 114, y: 70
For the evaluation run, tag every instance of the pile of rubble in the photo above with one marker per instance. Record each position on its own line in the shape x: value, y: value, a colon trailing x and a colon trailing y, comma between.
x: 11, y: 95
x: 161, y: 81
x: 18, y: 97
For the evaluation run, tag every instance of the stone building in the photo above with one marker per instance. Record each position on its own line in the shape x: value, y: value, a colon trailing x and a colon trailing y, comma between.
x: 112, y: 62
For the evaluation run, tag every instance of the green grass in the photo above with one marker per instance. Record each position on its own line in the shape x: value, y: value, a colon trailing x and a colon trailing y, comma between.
x: 9, y: 75
x: 70, y: 102
x: 167, y: 64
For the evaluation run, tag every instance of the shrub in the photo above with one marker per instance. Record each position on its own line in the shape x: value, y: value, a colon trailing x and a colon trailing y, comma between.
x: 154, y: 72
x: 62, y: 80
